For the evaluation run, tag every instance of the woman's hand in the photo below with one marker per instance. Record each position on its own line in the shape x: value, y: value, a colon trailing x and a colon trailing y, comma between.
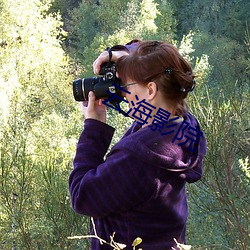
x: 94, y: 109
x: 104, y: 57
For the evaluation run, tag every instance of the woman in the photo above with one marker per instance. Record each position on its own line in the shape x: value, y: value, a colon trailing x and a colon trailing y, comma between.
x: 138, y: 190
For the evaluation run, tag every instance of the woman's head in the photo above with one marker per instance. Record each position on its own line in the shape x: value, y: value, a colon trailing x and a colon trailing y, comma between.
x: 161, y: 63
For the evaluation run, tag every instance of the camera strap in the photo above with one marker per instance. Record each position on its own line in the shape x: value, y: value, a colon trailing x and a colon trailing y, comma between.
x: 110, y: 53
x: 121, y: 111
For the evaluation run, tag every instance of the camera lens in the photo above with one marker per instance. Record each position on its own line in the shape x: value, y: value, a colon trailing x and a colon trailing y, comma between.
x: 78, y: 90
x: 82, y: 87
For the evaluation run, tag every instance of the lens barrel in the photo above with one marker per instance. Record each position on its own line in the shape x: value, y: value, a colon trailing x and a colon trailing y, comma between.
x: 82, y: 87
x: 78, y: 90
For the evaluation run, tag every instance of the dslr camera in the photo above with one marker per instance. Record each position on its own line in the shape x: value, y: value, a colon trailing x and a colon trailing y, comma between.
x: 102, y: 86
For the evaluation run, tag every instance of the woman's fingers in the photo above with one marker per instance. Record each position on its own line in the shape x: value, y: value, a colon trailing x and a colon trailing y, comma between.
x: 104, y: 57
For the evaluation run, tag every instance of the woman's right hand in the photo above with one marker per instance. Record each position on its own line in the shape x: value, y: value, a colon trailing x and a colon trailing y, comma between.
x: 94, y: 109
x: 104, y: 57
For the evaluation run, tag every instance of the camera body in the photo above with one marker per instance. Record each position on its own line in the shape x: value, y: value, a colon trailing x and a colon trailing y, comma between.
x: 102, y: 86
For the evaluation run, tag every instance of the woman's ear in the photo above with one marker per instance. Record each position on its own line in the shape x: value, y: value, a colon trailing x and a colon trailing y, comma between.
x: 152, y: 90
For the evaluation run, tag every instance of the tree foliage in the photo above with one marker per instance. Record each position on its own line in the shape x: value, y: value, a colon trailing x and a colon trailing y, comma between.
x: 35, y: 210
x: 44, y: 44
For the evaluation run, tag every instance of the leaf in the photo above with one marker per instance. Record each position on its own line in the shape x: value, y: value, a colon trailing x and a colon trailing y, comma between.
x: 137, y: 242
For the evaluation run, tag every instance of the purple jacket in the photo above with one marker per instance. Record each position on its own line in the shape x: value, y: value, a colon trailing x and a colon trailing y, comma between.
x: 138, y: 190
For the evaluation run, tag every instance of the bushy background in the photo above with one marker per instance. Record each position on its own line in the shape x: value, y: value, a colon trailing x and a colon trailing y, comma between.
x: 45, y: 44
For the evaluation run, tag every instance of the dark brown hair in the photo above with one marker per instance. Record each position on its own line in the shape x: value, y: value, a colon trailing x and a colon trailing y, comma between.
x: 162, y: 63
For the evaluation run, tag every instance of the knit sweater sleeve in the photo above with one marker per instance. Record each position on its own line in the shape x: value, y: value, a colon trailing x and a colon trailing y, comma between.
x: 100, y: 187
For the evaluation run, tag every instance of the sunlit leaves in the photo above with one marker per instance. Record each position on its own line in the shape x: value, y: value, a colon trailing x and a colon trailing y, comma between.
x: 137, y: 241
x: 35, y: 140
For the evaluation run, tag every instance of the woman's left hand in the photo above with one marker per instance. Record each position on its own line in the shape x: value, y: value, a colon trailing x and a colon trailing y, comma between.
x: 104, y: 57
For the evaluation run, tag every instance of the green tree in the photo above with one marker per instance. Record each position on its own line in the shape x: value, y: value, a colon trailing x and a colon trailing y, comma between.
x: 219, y: 28
x: 218, y: 203
x: 166, y: 21
x: 95, y: 25
x: 35, y: 211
